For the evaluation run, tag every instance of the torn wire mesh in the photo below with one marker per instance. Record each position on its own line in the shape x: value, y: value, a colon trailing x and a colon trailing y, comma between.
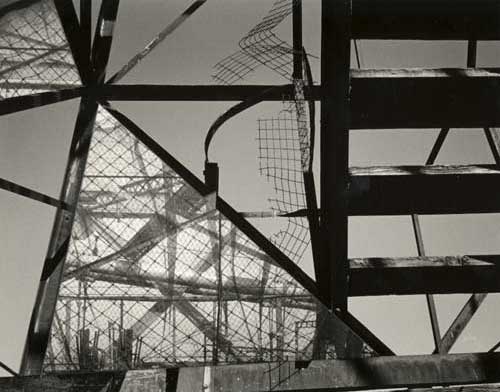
x: 34, y: 53
x: 285, y: 149
x: 260, y: 46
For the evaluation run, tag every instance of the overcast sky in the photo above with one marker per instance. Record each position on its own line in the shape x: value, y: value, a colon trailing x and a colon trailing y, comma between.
x: 34, y: 147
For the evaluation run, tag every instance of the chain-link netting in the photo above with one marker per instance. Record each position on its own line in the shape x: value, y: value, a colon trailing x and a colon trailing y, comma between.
x: 34, y: 53
x: 155, y: 275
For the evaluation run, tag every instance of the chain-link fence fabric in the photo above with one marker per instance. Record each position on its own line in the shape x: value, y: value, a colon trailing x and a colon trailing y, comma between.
x: 156, y: 275
x: 34, y: 53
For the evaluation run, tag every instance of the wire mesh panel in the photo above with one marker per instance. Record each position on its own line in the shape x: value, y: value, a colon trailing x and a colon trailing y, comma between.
x: 34, y: 53
x: 285, y: 146
x: 260, y: 46
x: 280, y: 161
x: 155, y: 275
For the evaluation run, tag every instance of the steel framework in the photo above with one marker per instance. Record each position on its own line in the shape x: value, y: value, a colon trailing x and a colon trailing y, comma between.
x: 149, y: 267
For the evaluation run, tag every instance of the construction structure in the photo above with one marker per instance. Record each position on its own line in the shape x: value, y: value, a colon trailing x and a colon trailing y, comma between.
x: 153, y: 282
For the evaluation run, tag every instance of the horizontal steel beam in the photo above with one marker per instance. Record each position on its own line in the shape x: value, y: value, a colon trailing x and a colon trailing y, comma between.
x: 172, y: 92
x: 25, y: 102
x: 170, y: 380
x: 425, y: 98
x: 380, y: 99
x: 330, y: 375
x: 436, y: 189
x: 426, y: 19
x: 424, y: 275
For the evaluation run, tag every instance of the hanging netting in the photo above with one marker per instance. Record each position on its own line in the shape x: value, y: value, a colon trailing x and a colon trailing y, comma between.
x: 284, y: 141
x: 156, y: 275
x: 283, y: 157
x: 260, y: 46
x: 34, y: 53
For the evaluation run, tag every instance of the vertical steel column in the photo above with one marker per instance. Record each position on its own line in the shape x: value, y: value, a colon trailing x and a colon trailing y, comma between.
x: 335, y: 118
x: 45, y: 303
x: 297, y: 38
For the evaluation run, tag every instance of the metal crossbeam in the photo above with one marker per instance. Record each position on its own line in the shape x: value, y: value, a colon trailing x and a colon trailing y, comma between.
x: 424, y: 275
x: 429, y: 20
x: 419, y: 371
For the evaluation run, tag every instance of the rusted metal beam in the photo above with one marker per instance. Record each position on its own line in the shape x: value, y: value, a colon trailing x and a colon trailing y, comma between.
x: 424, y: 275
x: 397, y: 190
x: 335, y: 121
x: 357, y: 374
x: 426, y: 19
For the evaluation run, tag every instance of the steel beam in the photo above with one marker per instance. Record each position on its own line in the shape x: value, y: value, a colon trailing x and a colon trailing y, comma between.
x: 424, y: 275
x: 272, y: 253
x: 382, y: 99
x: 418, y: 371
x: 426, y: 19
x: 156, y: 92
x: 458, y: 325
x: 402, y: 190
x: 31, y: 194
x: 25, y: 102
x: 335, y: 120
x: 379, y: 99
x: 71, y: 26
x: 103, y: 37
x: 45, y: 303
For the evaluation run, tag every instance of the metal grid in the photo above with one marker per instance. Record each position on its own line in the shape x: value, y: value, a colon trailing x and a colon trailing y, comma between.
x: 34, y: 53
x: 156, y: 275
x: 260, y: 46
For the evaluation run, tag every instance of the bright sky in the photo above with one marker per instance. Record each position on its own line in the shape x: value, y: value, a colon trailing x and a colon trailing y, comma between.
x: 34, y: 147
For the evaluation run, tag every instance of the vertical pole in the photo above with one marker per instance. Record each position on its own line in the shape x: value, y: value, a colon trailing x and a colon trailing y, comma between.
x: 471, y: 53
x: 86, y: 33
x: 297, y: 38
x: 335, y: 117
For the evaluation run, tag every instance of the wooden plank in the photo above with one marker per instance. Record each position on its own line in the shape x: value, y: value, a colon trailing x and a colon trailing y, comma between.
x: 334, y: 151
x: 424, y: 275
x: 426, y: 19
x: 370, y: 373
x: 399, y: 190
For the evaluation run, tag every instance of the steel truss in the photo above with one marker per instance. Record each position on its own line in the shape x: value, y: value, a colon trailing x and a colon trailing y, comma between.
x: 125, y: 212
